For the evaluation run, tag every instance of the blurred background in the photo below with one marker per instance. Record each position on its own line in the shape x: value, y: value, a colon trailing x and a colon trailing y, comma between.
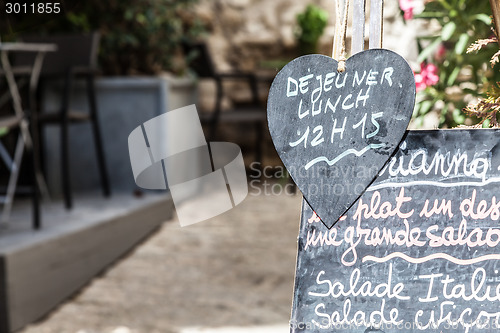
x: 88, y: 72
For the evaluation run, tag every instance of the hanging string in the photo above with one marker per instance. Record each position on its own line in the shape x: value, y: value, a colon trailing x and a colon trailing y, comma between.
x: 339, y: 52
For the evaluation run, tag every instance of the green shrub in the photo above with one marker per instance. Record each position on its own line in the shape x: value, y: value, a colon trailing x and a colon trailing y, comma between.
x: 462, y: 76
x: 312, y: 23
x: 137, y: 36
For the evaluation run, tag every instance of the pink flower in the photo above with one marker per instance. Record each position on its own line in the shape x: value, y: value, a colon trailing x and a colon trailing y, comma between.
x: 419, y: 82
x: 430, y: 71
x: 427, y: 76
x: 407, y: 7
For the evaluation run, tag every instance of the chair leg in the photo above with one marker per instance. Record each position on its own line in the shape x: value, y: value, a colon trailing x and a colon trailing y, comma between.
x: 38, y: 182
x: 41, y: 148
x: 35, y: 191
x: 39, y: 128
x: 97, y: 137
x: 33, y: 160
x: 258, y: 143
x: 35, y: 127
x: 213, y: 129
x: 68, y: 200
x: 218, y: 106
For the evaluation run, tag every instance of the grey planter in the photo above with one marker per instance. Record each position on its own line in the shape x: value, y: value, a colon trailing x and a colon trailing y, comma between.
x: 123, y: 104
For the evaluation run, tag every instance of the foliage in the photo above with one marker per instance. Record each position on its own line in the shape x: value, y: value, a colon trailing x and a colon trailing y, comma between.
x: 486, y: 109
x: 137, y: 36
x: 311, y: 23
x: 462, y: 76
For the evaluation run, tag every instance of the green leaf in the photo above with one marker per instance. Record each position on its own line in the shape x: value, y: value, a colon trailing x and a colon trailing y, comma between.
x: 421, y: 95
x: 425, y: 107
x: 428, y: 50
x: 129, y: 15
x: 453, y: 76
x: 4, y: 131
x: 427, y: 37
x: 141, y: 18
x: 461, y: 45
x: 448, y: 30
x: 446, y: 5
x: 429, y: 15
x: 442, y: 118
x: 419, y: 122
x: 486, y: 19
x: 458, y: 117
x: 416, y: 110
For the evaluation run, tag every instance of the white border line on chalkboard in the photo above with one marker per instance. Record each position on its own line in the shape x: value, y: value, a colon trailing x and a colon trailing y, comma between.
x: 433, y: 256
x: 433, y: 183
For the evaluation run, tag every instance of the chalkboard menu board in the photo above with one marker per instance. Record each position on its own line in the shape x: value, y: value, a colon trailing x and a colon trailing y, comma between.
x: 418, y: 251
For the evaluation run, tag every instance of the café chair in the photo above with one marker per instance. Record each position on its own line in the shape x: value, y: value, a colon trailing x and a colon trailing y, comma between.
x: 253, y: 113
x: 76, y: 58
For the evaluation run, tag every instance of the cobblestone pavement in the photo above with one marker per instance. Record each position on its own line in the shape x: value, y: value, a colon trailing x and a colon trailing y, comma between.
x: 235, y: 270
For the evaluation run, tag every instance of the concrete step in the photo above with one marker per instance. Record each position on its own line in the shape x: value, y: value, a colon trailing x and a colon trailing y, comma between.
x: 40, y: 269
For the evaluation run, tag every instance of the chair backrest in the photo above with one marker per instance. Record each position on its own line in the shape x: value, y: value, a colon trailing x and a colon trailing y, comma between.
x: 75, y: 50
x: 200, y: 60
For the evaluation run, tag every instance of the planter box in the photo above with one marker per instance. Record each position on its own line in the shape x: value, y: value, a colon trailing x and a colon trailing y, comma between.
x: 181, y: 91
x: 123, y: 104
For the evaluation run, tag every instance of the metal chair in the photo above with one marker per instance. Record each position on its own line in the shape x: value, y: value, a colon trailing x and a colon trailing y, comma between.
x: 76, y: 58
x: 253, y: 113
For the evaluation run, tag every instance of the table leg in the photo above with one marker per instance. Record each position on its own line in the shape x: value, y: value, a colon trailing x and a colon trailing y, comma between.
x: 16, y: 98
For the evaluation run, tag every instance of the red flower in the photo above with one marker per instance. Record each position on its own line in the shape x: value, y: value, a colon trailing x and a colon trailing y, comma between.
x: 407, y: 7
x: 427, y: 76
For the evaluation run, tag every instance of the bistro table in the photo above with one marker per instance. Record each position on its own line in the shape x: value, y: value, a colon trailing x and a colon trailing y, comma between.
x: 33, y: 72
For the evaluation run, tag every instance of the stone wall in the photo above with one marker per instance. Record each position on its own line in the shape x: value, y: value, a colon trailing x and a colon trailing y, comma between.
x: 245, y: 33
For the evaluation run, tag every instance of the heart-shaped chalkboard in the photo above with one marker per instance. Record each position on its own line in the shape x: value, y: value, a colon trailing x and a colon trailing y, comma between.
x: 335, y: 131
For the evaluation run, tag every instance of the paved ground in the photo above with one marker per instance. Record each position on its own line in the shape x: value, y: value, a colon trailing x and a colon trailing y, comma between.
x: 234, y: 271
x: 235, y: 329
